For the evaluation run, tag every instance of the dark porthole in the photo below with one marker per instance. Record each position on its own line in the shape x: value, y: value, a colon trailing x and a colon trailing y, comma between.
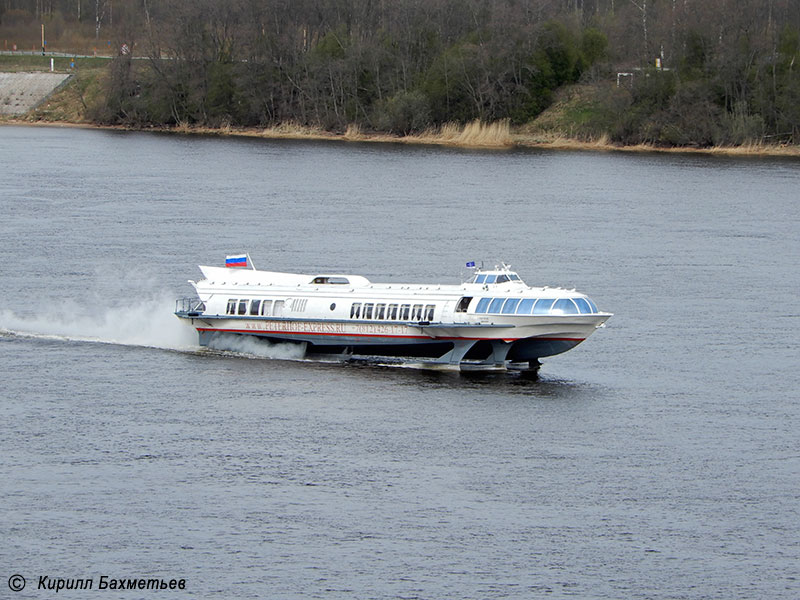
x: 333, y: 305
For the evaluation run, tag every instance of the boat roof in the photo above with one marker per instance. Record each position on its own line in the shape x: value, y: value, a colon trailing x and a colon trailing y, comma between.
x: 498, y: 280
x: 223, y: 275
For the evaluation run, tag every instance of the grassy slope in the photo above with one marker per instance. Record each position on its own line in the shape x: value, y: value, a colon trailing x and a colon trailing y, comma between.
x: 573, y: 108
x: 69, y: 104
x: 580, y: 116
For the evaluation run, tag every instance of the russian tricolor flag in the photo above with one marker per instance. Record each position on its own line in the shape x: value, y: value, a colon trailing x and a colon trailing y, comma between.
x: 236, y: 260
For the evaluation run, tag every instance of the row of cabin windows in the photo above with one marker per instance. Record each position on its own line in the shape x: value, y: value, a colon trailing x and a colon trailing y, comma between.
x: 261, y: 308
x: 502, y: 278
x: 533, y: 306
x: 380, y: 311
x: 392, y: 312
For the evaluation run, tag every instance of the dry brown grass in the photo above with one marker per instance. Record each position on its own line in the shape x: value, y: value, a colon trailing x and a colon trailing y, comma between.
x: 557, y: 140
x: 475, y: 134
x: 353, y: 132
x: 563, y: 142
x: 294, y: 131
x: 756, y: 149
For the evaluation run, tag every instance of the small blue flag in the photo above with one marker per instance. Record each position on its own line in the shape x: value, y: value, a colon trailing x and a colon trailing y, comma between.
x: 471, y: 263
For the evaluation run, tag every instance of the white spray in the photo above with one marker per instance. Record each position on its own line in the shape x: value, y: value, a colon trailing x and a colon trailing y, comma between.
x: 257, y: 347
x: 145, y: 322
x: 148, y: 322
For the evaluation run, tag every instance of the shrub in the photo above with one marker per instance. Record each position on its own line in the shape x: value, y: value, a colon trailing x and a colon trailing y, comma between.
x: 403, y: 113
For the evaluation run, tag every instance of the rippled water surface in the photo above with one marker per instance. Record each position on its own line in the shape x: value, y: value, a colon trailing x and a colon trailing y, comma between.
x: 659, y: 459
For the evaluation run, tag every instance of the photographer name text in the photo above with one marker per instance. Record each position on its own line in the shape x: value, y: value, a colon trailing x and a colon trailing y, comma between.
x: 56, y: 584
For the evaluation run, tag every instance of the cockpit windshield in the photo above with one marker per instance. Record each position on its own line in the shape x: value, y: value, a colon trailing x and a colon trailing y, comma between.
x: 495, y: 278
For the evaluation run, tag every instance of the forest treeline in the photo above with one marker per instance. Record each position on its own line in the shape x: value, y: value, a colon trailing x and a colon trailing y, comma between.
x: 669, y: 72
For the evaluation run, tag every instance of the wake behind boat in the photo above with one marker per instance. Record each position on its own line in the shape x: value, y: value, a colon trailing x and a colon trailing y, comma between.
x: 492, y: 321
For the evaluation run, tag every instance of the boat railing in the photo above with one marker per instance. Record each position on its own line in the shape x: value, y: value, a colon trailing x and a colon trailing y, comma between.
x: 189, y: 306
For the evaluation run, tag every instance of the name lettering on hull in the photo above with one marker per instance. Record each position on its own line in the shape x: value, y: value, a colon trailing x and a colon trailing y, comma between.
x: 321, y: 327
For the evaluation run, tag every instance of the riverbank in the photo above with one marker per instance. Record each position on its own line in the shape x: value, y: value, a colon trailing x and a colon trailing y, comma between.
x: 439, y: 138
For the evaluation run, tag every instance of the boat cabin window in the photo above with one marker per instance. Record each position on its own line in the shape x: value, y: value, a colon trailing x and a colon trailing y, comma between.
x: 404, y: 311
x: 368, y: 310
x: 510, y: 306
x: 355, y: 310
x: 380, y: 311
x: 564, y: 306
x: 491, y: 278
x: 429, y: 308
x: 266, y: 308
x: 254, y: 306
x: 502, y: 279
x: 480, y: 278
x: 392, y: 312
x: 231, y: 309
x: 483, y: 305
x: 525, y: 306
x: 583, y: 305
x: 416, y: 312
x: 277, y: 308
x: 463, y: 304
x: 242, y: 307
x: 542, y: 306
x: 331, y: 280
x: 496, y: 305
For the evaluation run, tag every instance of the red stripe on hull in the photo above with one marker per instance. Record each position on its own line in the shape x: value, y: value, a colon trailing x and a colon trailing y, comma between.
x: 377, y: 335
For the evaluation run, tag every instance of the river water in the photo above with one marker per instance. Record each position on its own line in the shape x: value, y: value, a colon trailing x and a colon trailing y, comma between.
x: 659, y: 459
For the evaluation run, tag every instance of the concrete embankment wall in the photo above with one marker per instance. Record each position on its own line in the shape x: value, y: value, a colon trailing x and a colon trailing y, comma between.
x: 21, y: 92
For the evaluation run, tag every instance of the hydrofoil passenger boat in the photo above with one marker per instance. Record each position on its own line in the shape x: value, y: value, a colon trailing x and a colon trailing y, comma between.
x: 492, y: 321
